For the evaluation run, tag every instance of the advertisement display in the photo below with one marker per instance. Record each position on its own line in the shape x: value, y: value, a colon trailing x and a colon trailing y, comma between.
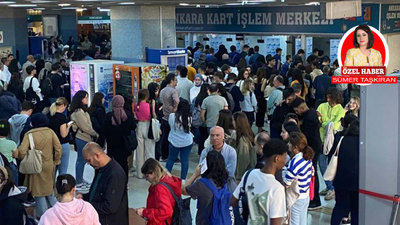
x: 153, y: 74
x: 79, y: 78
x: 168, y: 56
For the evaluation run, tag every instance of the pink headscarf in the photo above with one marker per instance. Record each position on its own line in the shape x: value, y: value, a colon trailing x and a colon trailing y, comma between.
x: 118, y: 109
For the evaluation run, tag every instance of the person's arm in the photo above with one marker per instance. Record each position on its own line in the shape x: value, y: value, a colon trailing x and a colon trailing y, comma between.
x: 379, y: 59
x: 231, y: 163
x: 175, y: 99
x: 254, y: 100
x: 263, y: 85
x: 340, y: 113
x: 83, y: 124
x: 190, y: 181
x: 226, y: 105
x: 272, y: 99
x: 349, y: 59
x: 64, y: 130
x: 36, y: 85
x: 235, y: 195
x: 163, y: 207
x: 291, y: 173
x: 23, y: 147
x: 153, y: 108
x: 57, y: 150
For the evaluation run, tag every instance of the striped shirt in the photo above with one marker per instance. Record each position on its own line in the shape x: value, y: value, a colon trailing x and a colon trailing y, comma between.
x: 301, y: 170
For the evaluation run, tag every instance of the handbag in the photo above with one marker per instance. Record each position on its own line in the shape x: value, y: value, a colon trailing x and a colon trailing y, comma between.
x: 330, y: 172
x: 128, y: 145
x: 32, y: 162
x: 154, y: 127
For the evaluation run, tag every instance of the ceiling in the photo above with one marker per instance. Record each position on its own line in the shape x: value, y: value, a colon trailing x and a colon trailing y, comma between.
x: 54, y: 4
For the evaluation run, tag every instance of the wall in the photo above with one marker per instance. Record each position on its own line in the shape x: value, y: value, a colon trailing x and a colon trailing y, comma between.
x: 67, y: 23
x: 393, y: 41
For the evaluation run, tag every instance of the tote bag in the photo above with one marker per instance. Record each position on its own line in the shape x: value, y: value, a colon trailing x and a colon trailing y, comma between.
x: 32, y: 162
x: 154, y: 127
x: 330, y: 172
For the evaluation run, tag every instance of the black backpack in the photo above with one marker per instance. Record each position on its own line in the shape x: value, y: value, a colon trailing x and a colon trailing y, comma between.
x: 46, y: 85
x: 181, y: 215
x: 31, y: 94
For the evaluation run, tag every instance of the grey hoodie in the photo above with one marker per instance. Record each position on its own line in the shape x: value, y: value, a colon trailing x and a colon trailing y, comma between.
x: 17, y: 123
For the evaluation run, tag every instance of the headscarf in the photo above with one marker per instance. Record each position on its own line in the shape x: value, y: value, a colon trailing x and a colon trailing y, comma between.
x: 201, y: 78
x: 118, y: 109
x: 39, y: 120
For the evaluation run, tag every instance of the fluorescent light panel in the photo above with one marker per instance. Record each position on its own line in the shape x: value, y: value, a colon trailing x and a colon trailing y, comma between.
x: 126, y: 3
x: 22, y: 5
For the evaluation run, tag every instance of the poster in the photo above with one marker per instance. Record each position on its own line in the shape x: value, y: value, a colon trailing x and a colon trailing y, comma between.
x: 334, y: 45
x: 153, y: 74
x: 104, y: 82
x: 79, y: 78
x: 1, y: 37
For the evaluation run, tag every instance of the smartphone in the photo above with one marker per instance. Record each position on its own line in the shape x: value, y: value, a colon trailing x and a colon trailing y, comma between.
x: 70, y: 123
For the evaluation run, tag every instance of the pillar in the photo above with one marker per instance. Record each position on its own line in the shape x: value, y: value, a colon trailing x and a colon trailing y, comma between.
x: 133, y: 28
x: 13, y: 23
x: 304, y: 45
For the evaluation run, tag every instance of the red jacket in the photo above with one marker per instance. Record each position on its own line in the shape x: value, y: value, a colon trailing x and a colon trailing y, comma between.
x: 160, y: 202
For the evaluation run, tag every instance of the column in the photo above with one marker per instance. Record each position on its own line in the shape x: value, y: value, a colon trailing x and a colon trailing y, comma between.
x: 303, y: 45
x: 13, y: 23
x: 133, y: 28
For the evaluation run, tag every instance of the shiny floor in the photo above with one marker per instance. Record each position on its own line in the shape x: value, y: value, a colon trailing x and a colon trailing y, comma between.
x: 138, y: 189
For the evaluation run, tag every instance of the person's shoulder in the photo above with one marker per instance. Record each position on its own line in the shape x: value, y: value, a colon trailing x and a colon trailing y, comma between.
x: 375, y: 52
x: 352, y: 50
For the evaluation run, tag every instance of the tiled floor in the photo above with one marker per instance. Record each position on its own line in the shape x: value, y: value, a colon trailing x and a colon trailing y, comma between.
x: 138, y: 189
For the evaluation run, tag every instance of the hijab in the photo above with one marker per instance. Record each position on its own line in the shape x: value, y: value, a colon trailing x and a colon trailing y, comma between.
x: 118, y: 109
x: 201, y: 78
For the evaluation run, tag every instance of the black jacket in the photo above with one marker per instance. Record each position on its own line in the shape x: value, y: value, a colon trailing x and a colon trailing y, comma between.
x: 236, y: 94
x: 11, y: 208
x: 110, y: 196
x: 277, y: 119
x: 97, y: 118
x: 348, y: 170
x: 310, y: 128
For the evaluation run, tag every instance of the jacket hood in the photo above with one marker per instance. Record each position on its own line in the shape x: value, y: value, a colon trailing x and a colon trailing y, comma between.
x: 19, y: 193
x: 18, y: 119
x: 174, y: 182
x: 71, y: 212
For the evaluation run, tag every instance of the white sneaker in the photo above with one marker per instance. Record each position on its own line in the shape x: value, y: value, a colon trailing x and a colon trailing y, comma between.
x: 330, y: 195
x: 82, y: 187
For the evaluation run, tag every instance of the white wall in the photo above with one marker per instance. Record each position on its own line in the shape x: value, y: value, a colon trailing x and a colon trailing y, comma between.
x: 393, y: 41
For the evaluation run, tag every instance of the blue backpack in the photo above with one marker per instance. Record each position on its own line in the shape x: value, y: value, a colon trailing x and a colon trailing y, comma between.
x: 220, y: 214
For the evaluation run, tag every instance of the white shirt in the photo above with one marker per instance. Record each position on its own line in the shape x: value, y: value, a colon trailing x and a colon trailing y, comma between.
x: 264, y: 193
x: 194, y: 91
x: 183, y: 87
x: 7, y: 75
x: 249, y: 104
x: 35, y: 86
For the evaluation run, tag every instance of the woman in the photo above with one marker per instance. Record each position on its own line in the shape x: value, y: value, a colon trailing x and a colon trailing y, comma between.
x: 287, y: 129
x: 180, y: 139
x: 128, y: 105
x: 195, y: 90
x: 228, y: 97
x: 68, y: 209
x: 242, y: 64
x: 71, y: 42
x: 249, y: 54
x: 58, y: 123
x: 217, y: 174
x: 97, y: 111
x: 347, y: 176
x: 270, y: 86
x: 297, y: 77
x: 261, y: 101
x: 246, y: 154
x: 300, y: 170
x: 160, y: 201
x: 154, y: 89
x: 242, y: 76
x: 117, y: 124
x: 249, y: 104
x: 198, y: 101
x: 363, y: 54
x: 39, y: 66
x: 144, y: 113
x: 11, y: 198
x: 41, y: 185
x: 353, y: 107
x: 13, y: 67
x: 16, y: 87
x: 85, y: 133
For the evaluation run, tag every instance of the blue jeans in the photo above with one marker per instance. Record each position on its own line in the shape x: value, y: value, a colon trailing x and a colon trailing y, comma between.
x: 80, y: 161
x: 323, y: 164
x: 14, y: 169
x: 196, y: 132
x: 298, y: 212
x: 44, y: 203
x: 173, y: 155
x: 63, y: 167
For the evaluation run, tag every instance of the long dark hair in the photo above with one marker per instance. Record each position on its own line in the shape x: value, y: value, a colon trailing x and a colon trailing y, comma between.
x: 13, y: 67
x: 39, y: 66
x: 225, y: 120
x: 216, y: 169
x: 170, y: 77
x: 76, y: 102
x: 243, y: 128
x: 152, y: 87
x: 202, y: 94
x: 222, y: 92
x: 299, y: 140
x: 97, y: 102
x: 128, y: 97
x: 15, y: 80
x: 298, y: 75
x: 182, y: 115
x: 241, y: 74
x: 261, y: 73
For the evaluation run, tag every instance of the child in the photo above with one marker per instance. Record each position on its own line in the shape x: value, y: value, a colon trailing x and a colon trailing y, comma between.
x: 8, y: 147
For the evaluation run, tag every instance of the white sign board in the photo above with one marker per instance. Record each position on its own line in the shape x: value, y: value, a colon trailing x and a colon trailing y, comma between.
x: 1, y: 37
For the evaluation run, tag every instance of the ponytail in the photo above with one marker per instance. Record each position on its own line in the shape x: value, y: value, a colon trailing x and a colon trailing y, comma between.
x: 53, y: 109
x: 299, y: 140
x: 58, y: 102
x: 308, y: 153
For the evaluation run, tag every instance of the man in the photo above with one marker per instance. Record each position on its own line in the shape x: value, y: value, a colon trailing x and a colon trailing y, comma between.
x: 280, y: 112
x: 33, y: 94
x: 2, y: 76
x: 219, y: 78
x: 321, y: 84
x: 297, y: 89
x: 276, y: 96
x: 260, y: 140
x: 86, y: 44
x: 108, y: 193
x: 266, y: 196
x: 270, y: 66
x: 286, y: 65
x: 226, y: 69
x: 6, y: 75
x: 210, y: 68
x: 278, y: 59
x: 201, y: 61
x: 235, y: 91
x: 233, y: 53
x: 217, y: 135
x: 242, y: 54
x: 29, y: 62
x: 212, y: 105
x: 57, y: 82
x: 191, y: 70
x: 310, y: 128
x: 203, y: 71
x: 256, y: 54
x: 198, y: 52
x: 184, y: 84
x: 169, y: 97
x: 298, y: 58
x: 210, y: 56
x: 19, y: 121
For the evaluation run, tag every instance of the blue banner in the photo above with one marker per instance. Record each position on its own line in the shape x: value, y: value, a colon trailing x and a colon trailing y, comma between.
x: 390, y: 18
x: 276, y: 20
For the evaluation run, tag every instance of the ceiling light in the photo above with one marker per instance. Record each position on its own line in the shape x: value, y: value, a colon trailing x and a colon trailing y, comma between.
x: 232, y: 4
x: 39, y: 9
x: 64, y: 5
x: 69, y: 8
x: 39, y: 1
x: 126, y: 3
x: 7, y: 2
x: 81, y: 9
x: 198, y: 6
x: 103, y: 10
x: 207, y: 6
x: 183, y: 4
x: 22, y: 5
x: 312, y: 3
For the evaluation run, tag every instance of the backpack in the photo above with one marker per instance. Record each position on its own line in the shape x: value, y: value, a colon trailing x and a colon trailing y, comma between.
x: 46, y: 86
x: 181, y: 215
x: 231, y: 101
x: 243, y: 198
x: 31, y: 94
x: 220, y: 213
x: 196, y: 112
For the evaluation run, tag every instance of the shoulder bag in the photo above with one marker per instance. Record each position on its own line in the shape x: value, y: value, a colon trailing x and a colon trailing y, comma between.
x: 129, y: 147
x: 330, y: 172
x: 154, y: 128
x: 32, y: 162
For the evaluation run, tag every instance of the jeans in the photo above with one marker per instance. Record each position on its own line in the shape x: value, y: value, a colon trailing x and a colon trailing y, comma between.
x: 298, y: 212
x: 63, y: 167
x: 173, y: 155
x: 146, y: 146
x: 346, y: 201
x: 80, y: 161
x: 196, y: 132
x: 316, y: 201
x: 164, y: 140
x: 323, y: 164
x: 14, y: 169
x: 44, y: 203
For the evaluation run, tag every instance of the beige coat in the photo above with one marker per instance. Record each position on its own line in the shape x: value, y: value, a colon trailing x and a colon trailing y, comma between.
x: 42, y: 184
x: 82, y: 121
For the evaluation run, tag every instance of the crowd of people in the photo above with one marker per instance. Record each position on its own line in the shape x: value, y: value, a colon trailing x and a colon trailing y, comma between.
x: 263, y: 175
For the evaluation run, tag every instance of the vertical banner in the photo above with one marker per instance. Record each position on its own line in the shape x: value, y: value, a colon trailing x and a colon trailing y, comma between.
x: 1, y: 37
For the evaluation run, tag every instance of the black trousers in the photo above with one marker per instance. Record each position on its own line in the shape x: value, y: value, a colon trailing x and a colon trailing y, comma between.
x: 316, y: 201
x: 164, y: 140
x: 346, y: 202
x: 202, y: 139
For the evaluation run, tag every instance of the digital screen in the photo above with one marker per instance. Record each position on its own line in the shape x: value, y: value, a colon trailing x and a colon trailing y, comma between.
x: 78, y: 76
x: 173, y: 62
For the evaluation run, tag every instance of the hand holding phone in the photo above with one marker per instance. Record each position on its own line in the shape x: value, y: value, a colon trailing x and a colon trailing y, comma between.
x: 70, y: 123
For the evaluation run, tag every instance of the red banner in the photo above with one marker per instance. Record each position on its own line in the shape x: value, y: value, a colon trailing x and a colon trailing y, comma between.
x: 363, y: 80
x: 363, y: 71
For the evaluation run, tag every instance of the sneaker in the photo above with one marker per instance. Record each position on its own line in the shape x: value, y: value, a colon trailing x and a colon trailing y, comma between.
x: 324, y: 192
x: 82, y: 187
x: 87, y: 182
x: 346, y: 221
x: 30, y: 203
x: 330, y: 195
x: 314, y: 206
x: 163, y: 160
